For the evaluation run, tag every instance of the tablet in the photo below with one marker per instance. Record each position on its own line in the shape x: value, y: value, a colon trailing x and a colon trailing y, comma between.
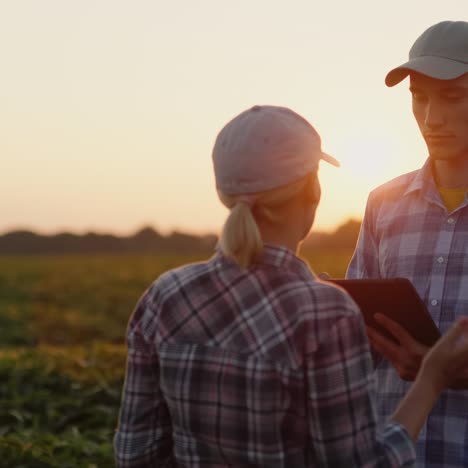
x: 396, y: 298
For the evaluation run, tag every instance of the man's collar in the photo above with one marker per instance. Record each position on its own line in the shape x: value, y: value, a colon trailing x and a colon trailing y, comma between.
x: 424, y: 179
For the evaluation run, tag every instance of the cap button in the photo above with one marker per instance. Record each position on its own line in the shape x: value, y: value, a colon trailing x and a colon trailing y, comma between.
x: 256, y: 108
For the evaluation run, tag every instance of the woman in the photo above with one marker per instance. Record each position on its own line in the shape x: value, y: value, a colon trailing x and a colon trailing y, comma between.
x: 249, y: 360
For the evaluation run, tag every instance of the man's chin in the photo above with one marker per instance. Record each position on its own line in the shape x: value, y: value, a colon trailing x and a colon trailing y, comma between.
x: 449, y: 157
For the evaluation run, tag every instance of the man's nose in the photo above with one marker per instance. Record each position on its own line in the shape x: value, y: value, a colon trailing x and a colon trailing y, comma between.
x: 434, y: 115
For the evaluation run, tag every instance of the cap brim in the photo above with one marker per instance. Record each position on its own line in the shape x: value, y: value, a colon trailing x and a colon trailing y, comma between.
x: 330, y: 159
x: 435, y: 67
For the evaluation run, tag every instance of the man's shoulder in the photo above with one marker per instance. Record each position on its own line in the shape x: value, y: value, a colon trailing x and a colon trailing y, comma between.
x: 396, y: 186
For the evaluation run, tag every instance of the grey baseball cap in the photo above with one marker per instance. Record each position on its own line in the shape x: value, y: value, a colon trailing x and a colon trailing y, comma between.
x: 264, y: 148
x: 440, y: 52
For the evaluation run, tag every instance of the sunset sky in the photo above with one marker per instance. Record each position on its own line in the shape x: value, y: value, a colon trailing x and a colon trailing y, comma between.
x: 109, y: 109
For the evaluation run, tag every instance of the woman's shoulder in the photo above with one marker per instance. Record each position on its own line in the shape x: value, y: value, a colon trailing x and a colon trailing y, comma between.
x: 176, y: 277
x: 315, y: 301
x: 326, y: 294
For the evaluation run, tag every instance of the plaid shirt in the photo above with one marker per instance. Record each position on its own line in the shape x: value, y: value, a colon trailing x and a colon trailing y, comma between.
x: 264, y: 367
x: 408, y: 232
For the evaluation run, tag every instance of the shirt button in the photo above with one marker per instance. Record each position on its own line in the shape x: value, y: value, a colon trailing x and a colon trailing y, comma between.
x: 434, y: 302
x: 440, y: 259
x: 450, y: 220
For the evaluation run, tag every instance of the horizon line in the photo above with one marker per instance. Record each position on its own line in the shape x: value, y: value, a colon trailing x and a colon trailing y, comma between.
x: 163, y: 232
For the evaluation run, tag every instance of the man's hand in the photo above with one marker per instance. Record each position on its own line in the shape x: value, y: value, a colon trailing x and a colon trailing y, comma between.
x: 405, y: 355
x: 461, y: 383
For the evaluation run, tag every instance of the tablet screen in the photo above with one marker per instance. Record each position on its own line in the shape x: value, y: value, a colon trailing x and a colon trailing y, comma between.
x: 396, y: 298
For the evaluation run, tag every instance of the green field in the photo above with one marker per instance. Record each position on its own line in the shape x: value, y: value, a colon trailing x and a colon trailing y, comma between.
x: 62, y: 328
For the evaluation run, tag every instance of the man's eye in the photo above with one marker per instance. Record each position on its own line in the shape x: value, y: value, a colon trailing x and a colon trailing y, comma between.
x: 452, y: 97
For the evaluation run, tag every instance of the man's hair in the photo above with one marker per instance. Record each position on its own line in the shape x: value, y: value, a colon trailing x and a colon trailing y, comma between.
x: 240, y: 238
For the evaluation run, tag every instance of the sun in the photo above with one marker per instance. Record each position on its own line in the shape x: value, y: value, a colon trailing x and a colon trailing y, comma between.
x: 369, y: 156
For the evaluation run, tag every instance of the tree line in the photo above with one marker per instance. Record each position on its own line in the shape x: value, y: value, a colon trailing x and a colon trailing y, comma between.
x: 148, y: 241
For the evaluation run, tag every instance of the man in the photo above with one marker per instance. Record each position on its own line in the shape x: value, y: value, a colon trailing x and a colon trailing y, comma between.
x: 416, y: 226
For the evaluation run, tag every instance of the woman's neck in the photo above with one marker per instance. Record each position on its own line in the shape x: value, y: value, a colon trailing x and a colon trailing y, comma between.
x: 283, y: 239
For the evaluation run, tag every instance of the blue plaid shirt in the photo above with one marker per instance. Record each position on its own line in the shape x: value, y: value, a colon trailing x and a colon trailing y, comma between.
x: 264, y: 367
x: 408, y: 232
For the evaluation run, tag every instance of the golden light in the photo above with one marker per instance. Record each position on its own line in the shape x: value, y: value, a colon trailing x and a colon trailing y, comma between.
x: 369, y: 156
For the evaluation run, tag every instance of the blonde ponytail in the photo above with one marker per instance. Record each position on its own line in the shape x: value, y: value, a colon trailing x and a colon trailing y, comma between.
x: 240, y: 238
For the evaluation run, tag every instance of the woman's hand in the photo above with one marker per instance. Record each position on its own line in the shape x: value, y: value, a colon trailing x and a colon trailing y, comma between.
x: 440, y: 368
x: 447, y: 361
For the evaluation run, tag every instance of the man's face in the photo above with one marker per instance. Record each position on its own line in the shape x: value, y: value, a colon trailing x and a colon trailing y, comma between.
x: 441, y: 111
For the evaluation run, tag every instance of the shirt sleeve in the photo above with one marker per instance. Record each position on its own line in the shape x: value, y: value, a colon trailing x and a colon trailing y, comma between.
x: 144, y: 433
x: 365, y: 260
x: 341, y: 406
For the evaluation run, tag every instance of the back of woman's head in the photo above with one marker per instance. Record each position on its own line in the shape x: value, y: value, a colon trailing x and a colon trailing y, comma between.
x: 262, y: 158
x: 241, y: 237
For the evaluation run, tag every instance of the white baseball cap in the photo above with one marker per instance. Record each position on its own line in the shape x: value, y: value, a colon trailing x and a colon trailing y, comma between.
x: 440, y: 52
x: 264, y: 148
